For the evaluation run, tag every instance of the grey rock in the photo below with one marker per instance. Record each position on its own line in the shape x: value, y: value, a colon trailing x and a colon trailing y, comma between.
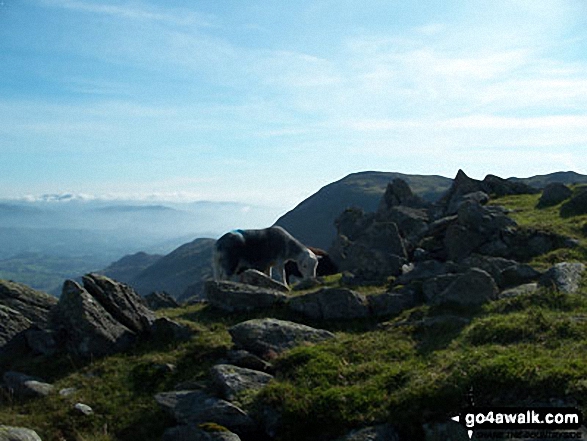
x: 383, y: 432
x: 352, y: 222
x: 257, y: 278
x: 425, y: 270
x: 330, y: 304
x: 411, y: 222
x: 248, y: 360
x: 25, y: 386
x: 167, y: 329
x: 460, y: 242
x: 398, y: 192
x: 196, y: 407
x: 553, y: 194
x: 575, y: 206
x: 473, y: 288
x: 233, y: 296
x: 267, y: 337
x: 42, y: 341
x: 565, y: 277
x: 160, y: 300
x: 527, y: 288
x: 67, y: 392
x: 435, y: 285
x: 84, y: 409
x: 121, y: 301
x: 32, y: 304
x: 518, y: 274
x: 194, y: 433
x: 391, y: 303
x: 8, y: 433
x: 232, y: 380
x: 12, y: 324
x: 90, y: 330
x: 371, y: 264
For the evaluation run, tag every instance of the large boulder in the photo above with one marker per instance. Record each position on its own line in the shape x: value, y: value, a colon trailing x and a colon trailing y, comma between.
x: 473, y: 288
x: 257, y: 278
x: 391, y: 302
x: 197, y: 407
x: 331, y: 304
x: 575, y: 206
x: 121, y: 301
x: 234, y: 296
x: 32, y: 304
x: 553, y: 194
x: 89, y: 328
x: 8, y: 433
x: 268, y: 337
x: 398, y: 192
x: 233, y: 381
x: 565, y: 277
x: 12, y: 324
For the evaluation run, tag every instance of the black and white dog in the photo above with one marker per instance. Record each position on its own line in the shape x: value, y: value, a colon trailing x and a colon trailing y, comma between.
x: 262, y: 250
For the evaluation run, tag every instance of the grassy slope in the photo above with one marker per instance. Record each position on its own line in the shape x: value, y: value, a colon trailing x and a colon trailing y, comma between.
x: 515, y: 351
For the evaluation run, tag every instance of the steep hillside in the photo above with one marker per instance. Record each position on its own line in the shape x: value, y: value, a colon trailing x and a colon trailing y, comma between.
x: 187, y: 265
x: 127, y: 268
x: 312, y: 221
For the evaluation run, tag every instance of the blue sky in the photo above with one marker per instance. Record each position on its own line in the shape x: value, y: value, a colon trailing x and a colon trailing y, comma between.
x: 267, y: 101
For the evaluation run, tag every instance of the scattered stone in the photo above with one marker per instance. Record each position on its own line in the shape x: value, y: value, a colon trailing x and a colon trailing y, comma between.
x: 67, y: 392
x: 192, y: 432
x: 233, y: 380
x: 84, y: 409
x: 331, y: 304
x: 196, y: 407
x: 527, y: 288
x: 518, y: 274
x: 25, y: 386
x: 233, y: 296
x: 257, y: 278
x: 121, y: 301
x: 473, y: 288
x: 265, y: 337
x: 553, y: 194
x: 247, y: 360
x: 565, y: 277
x: 90, y: 329
x: 8, y: 433
x: 383, y: 432
x: 160, y: 300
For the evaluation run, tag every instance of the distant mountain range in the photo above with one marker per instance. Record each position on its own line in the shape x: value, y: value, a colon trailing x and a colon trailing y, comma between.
x: 56, y: 237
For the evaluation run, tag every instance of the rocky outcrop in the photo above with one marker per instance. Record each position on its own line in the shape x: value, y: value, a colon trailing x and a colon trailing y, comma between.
x: 269, y: 337
x: 473, y: 288
x: 121, y: 301
x: 234, y: 296
x: 331, y: 304
x: 12, y: 326
x: 554, y: 194
x: 104, y: 317
x: 89, y: 328
x: 8, y: 433
x: 32, y: 304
